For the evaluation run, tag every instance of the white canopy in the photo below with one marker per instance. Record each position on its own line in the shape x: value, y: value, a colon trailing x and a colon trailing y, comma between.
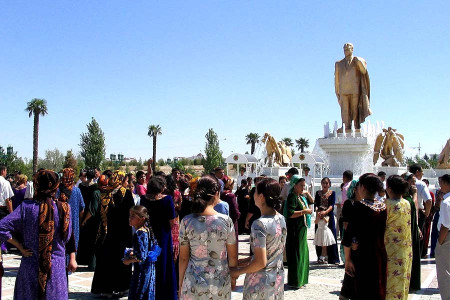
x: 237, y: 158
x: 307, y: 158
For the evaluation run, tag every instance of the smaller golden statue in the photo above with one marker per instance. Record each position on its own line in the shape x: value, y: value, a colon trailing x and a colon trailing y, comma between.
x: 389, y: 146
x: 442, y: 162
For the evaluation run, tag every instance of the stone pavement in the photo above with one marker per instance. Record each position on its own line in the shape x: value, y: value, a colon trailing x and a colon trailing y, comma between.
x: 324, y: 280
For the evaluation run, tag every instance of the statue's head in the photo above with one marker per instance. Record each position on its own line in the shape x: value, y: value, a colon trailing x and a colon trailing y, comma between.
x: 348, y: 49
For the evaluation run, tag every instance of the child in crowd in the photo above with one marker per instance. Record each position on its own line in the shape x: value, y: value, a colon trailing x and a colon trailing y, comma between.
x: 143, y: 255
x: 324, y: 237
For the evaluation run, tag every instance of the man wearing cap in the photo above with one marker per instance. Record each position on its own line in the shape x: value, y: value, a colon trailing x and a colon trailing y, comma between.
x: 443, y: 246
x: 285, y: 191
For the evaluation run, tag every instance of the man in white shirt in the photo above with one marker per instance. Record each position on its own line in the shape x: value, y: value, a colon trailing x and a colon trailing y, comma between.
x: 443, y: 245
x: 242, y: 176
x: 285, y: 191
x: 6, y: 193
x: 424, y: 201
x: 308, y: 179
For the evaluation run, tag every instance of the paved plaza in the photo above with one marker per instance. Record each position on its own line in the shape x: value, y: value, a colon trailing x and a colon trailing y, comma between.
x: 324, y: 280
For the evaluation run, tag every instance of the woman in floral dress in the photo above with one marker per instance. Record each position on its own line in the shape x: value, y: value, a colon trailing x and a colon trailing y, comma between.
x: 397, y: 239
x: 265, y: 272
x: 207, y: 247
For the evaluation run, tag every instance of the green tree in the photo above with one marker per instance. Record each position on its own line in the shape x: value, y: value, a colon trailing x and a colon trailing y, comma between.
x: 70, y: 161
x: 251, y: 139
x: 153, y: 132
x: 15, y: 163
x: 161, y: 162
x: 92, y: 145
x: 36, y: 107
x: 212, y: 150
x: 302, y: 143
x: 54, y: 160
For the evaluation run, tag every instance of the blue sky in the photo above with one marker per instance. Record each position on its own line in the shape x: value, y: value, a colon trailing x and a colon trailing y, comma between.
x: 234, y: 66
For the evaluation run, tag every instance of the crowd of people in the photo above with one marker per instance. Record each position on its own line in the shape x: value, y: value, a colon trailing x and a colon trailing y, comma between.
x: 157, y: 236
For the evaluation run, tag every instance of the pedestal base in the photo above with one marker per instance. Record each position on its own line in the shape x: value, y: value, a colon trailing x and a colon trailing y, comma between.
x: 347, y: 153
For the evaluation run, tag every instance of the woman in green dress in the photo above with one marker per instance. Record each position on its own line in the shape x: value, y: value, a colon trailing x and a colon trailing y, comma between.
x: 411, y: 197
x: 298, y: 220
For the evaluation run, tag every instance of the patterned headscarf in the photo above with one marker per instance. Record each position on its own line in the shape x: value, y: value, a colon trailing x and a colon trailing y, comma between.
x: 46, y: 184
x: 108, y: 187
x: 66, y: 185
x: 193, y: 186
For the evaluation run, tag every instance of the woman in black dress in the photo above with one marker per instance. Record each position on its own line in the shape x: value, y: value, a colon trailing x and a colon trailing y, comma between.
x: 365, y: 235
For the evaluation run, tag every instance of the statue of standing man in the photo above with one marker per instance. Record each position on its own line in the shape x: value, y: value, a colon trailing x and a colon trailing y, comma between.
x: 352, y: 87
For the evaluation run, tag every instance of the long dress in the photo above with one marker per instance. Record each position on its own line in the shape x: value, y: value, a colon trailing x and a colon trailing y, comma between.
x: 24, y: 222
x: 416, y: 265
x: 161, y: 212
x: 207, y: 274
x: 77, y: 205
x: 88, y: 233
x: 111, y: 275
x: 367, y: 226
x: 397, y: 239
x: 296, y: 241
x: 142, y: 285
x: 328, y: 200
x: 268, y: 283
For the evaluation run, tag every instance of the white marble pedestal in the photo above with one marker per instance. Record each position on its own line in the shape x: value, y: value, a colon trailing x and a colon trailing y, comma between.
x: 347, y: 153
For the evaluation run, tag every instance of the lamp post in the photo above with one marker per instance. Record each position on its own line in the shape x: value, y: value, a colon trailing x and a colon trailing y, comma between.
x: 116, y: 160
x: 6, y: 158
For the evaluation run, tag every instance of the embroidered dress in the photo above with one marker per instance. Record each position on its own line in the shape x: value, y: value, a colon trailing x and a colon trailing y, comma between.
x: 326, y: 200
x: 367, y: 227
x: 207, y: 274
x: 267, y: 232
x: 398, y: 248
x: 145, y: 249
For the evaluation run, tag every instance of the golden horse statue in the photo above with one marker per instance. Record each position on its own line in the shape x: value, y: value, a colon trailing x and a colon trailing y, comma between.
x: 389, y: 146
x: 442, y: 162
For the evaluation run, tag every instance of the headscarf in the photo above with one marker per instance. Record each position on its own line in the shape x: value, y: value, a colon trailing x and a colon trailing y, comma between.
x: 351, y: 189
x: 294, y: 180
x: 108, y: 186
x: 193, y: 186
x: 46, y: 184
x: 66, y: 185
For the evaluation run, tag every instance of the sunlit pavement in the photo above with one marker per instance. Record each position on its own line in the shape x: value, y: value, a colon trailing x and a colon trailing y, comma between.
x: 324, y: 280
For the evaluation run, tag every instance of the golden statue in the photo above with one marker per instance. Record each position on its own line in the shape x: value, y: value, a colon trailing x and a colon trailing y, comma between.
x: 272, y: 149
x: 286, y: 154
x: 352, y: 87
x: 442, y: 162
x: 389, y: 146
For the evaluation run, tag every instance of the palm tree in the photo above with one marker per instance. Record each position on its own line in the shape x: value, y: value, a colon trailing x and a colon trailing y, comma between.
x: 154, y: 131
x: 287, y: 141
x: 302, y: 143
x: 252, y: 138
x: 36, y: 107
